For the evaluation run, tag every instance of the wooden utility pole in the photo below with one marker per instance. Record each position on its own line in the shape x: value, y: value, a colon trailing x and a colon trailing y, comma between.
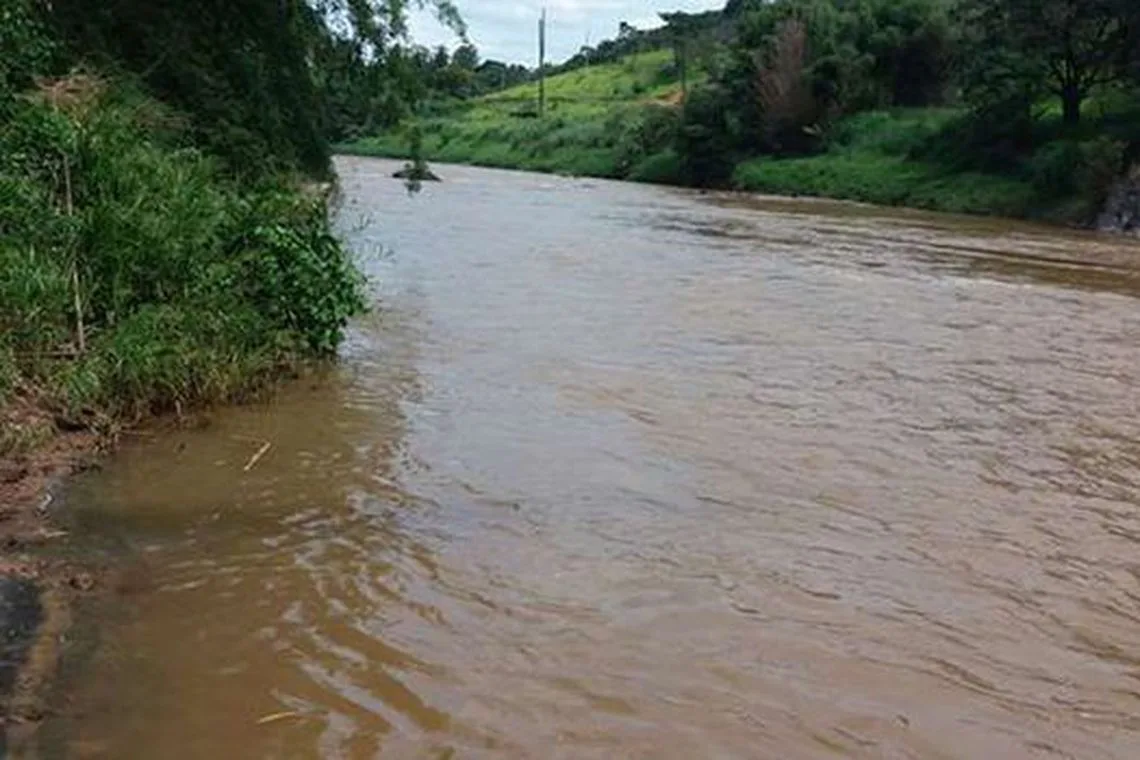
x: 681, y: 56
x: 542, y: 63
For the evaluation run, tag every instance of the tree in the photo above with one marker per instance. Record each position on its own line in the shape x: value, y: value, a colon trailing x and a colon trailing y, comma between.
x: 248, y: 74
x: 1070, y: 46
x: 910, y: 47
x: 789, y: 112
x: 682, y: 27
x: 703, y: 139
x: 466, y: 57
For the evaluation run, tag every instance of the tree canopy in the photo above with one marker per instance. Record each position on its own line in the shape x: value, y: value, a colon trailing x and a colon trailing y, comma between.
x: 1065, y: 47
x: 263, y: 81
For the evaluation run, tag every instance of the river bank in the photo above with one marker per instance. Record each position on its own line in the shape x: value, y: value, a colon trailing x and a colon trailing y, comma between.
x: 38, y: 586
x: 627, y: 119
x: 45, y: 571
x: 856, y: 175
x: 141, y: 281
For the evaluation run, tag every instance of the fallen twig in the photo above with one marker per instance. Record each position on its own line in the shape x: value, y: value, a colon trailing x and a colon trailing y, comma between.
x: 253, y: 460
x: 274, y: 717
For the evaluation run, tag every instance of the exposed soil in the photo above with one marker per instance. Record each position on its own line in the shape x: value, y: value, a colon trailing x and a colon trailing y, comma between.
x: 37, y: 588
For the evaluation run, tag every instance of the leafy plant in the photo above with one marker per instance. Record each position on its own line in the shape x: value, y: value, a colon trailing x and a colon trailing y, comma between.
x: 137, y: 278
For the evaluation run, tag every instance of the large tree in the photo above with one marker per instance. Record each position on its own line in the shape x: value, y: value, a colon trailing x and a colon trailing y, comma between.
x: 1070, y: 46
x: 248, y: 73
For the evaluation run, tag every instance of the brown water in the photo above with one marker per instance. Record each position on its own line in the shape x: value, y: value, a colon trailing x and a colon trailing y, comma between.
x: 616, y: 471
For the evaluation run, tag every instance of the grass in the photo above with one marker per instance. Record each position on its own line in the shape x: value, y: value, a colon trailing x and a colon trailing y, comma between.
x: 646, y: 75
x: 136, y: 278
x: 586, y: 129
x: 869, y: 160
x: 618, y: 121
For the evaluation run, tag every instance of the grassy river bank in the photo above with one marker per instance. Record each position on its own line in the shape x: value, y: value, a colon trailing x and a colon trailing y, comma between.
x: 161, y: 251
x: 139, y: 282
x: 620, y: 120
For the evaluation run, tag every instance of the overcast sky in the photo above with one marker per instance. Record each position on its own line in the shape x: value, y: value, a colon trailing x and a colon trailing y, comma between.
x: 506, y: 29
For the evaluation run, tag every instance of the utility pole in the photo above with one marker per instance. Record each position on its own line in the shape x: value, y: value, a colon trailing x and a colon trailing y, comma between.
x: 681, y: 51
x: 542, y: 63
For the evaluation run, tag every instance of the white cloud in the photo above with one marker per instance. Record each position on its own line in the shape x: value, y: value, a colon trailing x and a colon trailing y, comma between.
x: 506, y: 29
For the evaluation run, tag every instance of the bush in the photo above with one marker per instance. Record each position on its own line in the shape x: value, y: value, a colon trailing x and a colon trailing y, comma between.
x: 652, y: 130
x: 134, y: 277
x: 662, y: 168
x: 1053, y: 169
x: 295, y: 273
x: 1102, y: 164
x: 1087, y: 168
x: 27, y: 49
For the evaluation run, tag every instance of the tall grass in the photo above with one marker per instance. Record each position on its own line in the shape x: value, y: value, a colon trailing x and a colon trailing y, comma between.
x: 136, y: 278
x: 595, y: 124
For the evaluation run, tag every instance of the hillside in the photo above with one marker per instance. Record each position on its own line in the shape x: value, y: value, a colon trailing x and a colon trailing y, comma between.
x: 600, y: 122
x: 894, y: 103
x: 591, y: 125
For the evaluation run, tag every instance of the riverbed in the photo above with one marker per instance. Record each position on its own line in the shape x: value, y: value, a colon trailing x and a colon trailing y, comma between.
x: 621, y: 471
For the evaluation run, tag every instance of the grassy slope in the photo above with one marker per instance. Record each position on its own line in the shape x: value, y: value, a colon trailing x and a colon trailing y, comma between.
x: 576, y: 136
x: 870, y: 158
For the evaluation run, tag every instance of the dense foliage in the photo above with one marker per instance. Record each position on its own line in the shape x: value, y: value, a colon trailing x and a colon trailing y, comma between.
x: 136, y: 277
x: 161, y: 241
x: 797, y: 68
x: 366, y: 95
x: 1026, y: 107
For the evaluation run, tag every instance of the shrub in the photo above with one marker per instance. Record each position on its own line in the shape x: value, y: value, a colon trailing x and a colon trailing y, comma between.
x: 662, y: 168
x: 1053, y: 169
x: 294, y: 272
x: 1087, y: 168
x: 1102, y: 164
x: 135, y: 277
x: 654, y: 129
x: 703, y: 140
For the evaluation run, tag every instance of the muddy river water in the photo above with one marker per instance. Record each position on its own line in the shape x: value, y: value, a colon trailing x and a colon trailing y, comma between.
x: 614, y: 471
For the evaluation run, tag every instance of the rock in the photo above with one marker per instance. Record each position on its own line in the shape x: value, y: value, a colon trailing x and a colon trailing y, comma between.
x: 1122, y: 209
x: 82, y: 582
x: 417, y: 173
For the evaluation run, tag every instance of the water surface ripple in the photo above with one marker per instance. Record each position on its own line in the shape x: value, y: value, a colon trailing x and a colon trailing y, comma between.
x: 619, y: 471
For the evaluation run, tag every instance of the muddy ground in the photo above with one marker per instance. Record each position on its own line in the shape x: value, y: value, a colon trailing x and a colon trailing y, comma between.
x: 38, y: 586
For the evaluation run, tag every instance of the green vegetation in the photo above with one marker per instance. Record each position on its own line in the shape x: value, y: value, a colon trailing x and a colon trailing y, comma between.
x: 872, y: 159
x: 163, y: 242
x: 137, y: 278
x: 1010, y: 107
x: 600, y: 122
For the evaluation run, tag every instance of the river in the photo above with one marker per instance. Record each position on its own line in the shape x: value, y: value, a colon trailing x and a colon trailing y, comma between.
x: 621, y: 471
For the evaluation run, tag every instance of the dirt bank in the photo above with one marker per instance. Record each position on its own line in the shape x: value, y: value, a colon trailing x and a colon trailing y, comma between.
x: 37, y: 586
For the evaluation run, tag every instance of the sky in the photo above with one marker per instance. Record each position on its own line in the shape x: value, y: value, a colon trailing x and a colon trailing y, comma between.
x: 506, y: 30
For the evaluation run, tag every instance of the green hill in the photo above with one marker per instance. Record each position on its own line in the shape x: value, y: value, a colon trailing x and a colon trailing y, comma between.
x: 616, y: 120
x: 875, y: 100
x: 595, y: 124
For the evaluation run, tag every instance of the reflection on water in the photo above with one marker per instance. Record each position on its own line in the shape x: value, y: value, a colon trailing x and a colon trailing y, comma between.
x: 619, y: 471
